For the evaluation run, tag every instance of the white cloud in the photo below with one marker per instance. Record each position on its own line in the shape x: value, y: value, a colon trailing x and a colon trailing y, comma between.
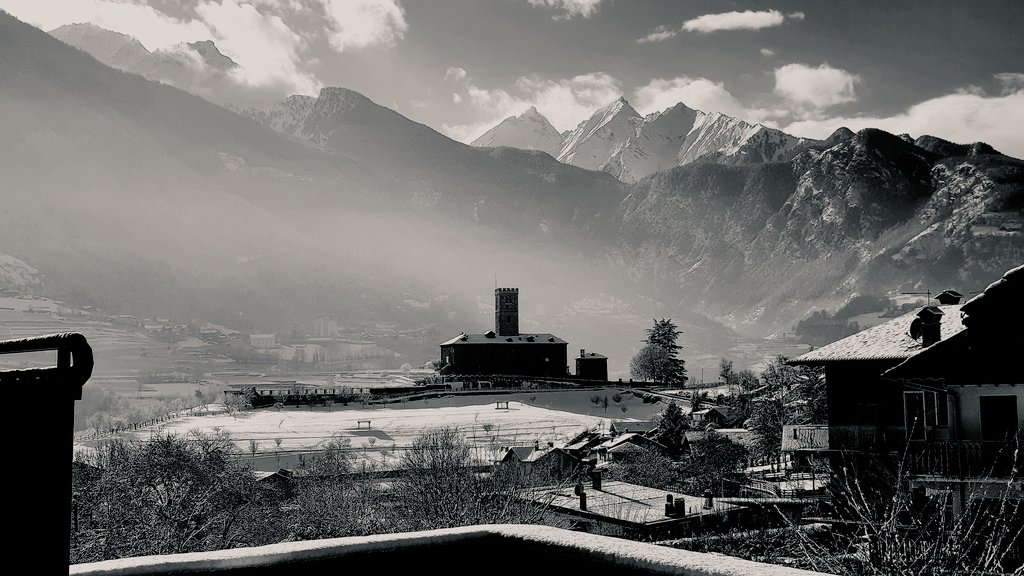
x: 746, y: 20
x: 767, y: 52
x: 454, y: 74
x: 151, y: 27
x: 569, y: 8
x: 360, y: 24
x: 456, y: 98
x: 697, y: 93
x: 966, y: 116
x: 659, y: 34
x: 565, y: 102
x: 796, y: 15
x: 1010, y: 81
x: 266, y: 49
x: 812, y: 88
x: 496, y: 100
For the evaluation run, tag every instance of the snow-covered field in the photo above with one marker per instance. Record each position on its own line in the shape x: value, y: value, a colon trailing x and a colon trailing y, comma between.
x: 390, y: 430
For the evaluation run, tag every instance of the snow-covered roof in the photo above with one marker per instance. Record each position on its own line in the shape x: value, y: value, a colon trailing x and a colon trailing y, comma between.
x: 624, y: 502
x: 887, y: 341
x: 518, y: 339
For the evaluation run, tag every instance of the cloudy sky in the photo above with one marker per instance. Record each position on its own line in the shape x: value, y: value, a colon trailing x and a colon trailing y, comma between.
x: 953, y: 69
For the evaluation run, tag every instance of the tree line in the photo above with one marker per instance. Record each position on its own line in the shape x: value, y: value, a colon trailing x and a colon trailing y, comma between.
x: 189, y: 493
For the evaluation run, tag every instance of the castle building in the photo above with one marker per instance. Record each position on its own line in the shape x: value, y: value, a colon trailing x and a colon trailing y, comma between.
x: 504, y: 351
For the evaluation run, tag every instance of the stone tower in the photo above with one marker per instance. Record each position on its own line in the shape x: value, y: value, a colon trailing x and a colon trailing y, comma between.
x: 506, y: 311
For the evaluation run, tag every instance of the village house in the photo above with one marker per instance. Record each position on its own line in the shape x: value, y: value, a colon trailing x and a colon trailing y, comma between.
x: 633, y: 511
x: 591, y: 366
x: 717, y: 416
x: 938, y: 391
x: 625, y: 445
x: 583, y: 444
x: 547, y: 464
x: 263, y: 341
x: 646, y: 427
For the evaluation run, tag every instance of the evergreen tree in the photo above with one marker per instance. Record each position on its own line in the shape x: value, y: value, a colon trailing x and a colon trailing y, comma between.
x: 658, y: 360
x: 672, y: 427
x: 664, y: 335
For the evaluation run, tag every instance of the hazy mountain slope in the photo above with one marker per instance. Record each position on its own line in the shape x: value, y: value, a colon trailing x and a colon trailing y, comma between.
x: 528, y: 131
x: 140, y: 198
x: 287, y: 116
x: 526, y: 192
x: 112, y: 48
x: 17, y: 277
x: 196, y: 67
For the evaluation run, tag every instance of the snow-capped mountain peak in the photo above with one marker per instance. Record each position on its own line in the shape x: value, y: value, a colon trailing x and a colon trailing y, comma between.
x: 599, y: 138
x: 618, y: 140
x: 528, y: 131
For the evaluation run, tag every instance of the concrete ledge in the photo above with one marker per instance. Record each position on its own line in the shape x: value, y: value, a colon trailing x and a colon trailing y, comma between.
x: 491, y: 549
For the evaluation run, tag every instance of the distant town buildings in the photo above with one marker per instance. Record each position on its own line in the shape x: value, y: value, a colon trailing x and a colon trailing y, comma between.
x: 263, y: 340
x: 325, y: 327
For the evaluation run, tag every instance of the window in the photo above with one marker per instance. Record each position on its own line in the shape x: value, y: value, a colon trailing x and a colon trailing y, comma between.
x: 914, y: 412
x: 999, y: 420
x: 924, y: 409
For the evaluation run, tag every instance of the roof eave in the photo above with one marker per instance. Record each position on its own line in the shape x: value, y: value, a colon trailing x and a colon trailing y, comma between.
x: 826, y: 361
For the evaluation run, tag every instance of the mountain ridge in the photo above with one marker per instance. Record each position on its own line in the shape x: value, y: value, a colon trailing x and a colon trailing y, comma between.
x: 618, y: 140
x: 198, y: 67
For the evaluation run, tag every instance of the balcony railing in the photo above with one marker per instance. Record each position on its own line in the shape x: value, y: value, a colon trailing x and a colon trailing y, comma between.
x: 952, y: 458
x: 961, y: 459
x: 821, y: 437
x: 487, y: 549
x: 866, y: 438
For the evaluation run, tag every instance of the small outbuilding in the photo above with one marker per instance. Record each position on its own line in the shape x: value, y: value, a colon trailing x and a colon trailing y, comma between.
x: 591, y: 366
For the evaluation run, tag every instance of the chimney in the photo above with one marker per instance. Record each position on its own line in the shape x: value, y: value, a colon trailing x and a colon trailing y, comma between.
x: 927, y: 326
x: 709, y: 499
x: 583, y: 353
x: 949, y: 297
x: 669, y: 507
x: 582, y: 494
